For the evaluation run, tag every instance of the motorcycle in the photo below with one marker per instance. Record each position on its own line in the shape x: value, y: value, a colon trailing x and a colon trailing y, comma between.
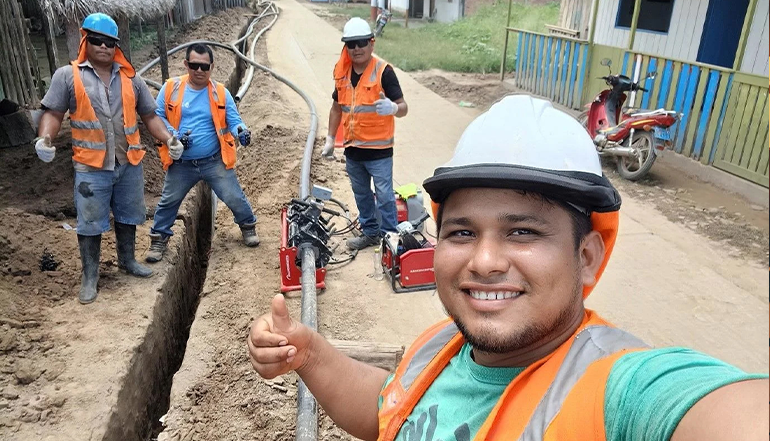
x: 382, y: 19
x: 634, y: 137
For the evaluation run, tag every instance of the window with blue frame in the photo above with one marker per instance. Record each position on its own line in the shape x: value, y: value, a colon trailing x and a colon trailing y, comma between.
x: 654, y: 15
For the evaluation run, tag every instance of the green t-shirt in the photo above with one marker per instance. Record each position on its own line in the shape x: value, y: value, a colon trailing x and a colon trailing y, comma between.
x: 648, y: 393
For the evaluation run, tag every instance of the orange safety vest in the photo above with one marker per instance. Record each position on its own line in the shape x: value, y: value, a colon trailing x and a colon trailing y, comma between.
x: 559, y: 397
x: 217, y: 99
x: 362, y: 126
x: 89, y: 145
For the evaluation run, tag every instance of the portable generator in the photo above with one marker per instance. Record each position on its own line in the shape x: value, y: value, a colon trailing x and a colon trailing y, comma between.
x: 407, y: 258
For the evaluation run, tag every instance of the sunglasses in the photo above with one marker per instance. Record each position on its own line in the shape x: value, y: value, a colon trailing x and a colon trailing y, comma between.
x: 195, y: 66
x: 98, y: 41
x: 352, y: 44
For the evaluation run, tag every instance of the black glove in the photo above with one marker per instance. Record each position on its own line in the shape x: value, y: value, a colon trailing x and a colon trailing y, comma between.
x: 244, y: 136
x: 186, y: 140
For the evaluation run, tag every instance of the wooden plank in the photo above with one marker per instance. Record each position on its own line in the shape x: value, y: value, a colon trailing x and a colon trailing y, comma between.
x: 545, y: 80
x: 522, y: 76
x: 555, y: 70
x: 382, y: 355
x: 539, y: 71
x: 573, y: 75
x: 564, y: 71
x: 756, y: 143
x: 583, y: 74
x: 531, y: 58
x: 638, y: 98
x: 624, y: 67
x: 739, y: 110
x: 754, y: 80
x: 763, y: 166
x: 745, y: 122
x: 720, y: 105
x: 705, y: 116
x: 753, y: 124
x: 692, y: 83
x: 696, y: 113
x: 649, y: 84
x: 665, y: 84
x: 729, y: 120
x: 15, y: 83
x: 675, y: 72
x: 540, y: 34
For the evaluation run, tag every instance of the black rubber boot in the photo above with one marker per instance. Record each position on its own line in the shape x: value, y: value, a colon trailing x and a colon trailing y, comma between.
x: 125, y: 238
x: 90, y: 248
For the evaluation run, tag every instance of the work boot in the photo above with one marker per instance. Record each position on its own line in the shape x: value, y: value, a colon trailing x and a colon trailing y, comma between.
x: 125, y: 239
x: 250, y: 236
x: 363, y: 241
x: 90, y: 247
x: 158, y: 244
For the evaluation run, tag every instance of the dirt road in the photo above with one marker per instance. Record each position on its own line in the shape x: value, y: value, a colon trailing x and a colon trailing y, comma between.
x: 63, y: 367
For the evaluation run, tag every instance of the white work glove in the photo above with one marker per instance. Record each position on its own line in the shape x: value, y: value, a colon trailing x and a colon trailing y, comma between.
x: 45, y: 151
x: 385, y: 106
x: 328, y: 150
x: 175, y: 148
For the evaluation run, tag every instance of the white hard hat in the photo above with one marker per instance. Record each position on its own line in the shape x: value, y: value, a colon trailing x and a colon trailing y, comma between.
x: 356, y: 29
x: 524, y: 143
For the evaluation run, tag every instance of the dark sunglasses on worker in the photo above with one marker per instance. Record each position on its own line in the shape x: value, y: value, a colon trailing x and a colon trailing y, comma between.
x: 352, y: 44
x: 195, y: 66
x: 98, y: 41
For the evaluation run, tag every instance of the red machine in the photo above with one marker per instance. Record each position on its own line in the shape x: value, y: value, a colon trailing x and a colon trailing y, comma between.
x: 291, y: 273
x: 408, y: 262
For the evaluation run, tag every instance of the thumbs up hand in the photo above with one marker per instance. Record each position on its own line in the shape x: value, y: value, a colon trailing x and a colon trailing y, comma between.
x: 385, y: 106
x: 277, y: 343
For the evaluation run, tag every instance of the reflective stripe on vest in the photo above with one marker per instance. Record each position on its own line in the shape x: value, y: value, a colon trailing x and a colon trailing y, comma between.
x: 218, y: 105
x: 592, y: 343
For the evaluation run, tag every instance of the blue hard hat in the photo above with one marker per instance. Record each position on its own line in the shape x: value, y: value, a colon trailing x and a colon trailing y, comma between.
x: 102, y: 24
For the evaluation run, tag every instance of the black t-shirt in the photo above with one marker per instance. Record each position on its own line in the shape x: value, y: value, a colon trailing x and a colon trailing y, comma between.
x: 393, y: 91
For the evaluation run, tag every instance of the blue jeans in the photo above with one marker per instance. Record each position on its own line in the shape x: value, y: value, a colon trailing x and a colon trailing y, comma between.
x: 182, y: 175
x: 361, y: 174
x: 96, y: 192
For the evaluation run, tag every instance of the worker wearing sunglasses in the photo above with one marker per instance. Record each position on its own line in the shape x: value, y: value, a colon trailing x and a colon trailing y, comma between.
x: 202, y: 113
x: 103, y: 95
x: 367, y: 99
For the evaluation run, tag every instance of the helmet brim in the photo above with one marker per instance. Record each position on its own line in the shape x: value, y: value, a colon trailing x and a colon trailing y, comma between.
x: 362, y: 37
x: 587, y: 190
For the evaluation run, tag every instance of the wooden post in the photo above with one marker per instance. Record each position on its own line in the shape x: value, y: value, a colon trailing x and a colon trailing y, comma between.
x: 50, y: 41
x: 741, y: 51
x: 592, y: 30
x: 161, y: 25
x: 634, y: 23
x: 124, y: 32
x: 7, y: 74
x: 505, y: 46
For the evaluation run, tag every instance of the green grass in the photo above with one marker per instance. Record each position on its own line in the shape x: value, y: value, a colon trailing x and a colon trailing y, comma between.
x: 473, y: 44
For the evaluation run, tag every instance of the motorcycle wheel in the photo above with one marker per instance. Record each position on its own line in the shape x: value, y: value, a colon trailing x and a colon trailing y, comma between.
x: 634, y: 169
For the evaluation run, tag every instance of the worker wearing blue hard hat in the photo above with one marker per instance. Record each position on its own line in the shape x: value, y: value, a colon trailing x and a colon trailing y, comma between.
x: 103, y: 95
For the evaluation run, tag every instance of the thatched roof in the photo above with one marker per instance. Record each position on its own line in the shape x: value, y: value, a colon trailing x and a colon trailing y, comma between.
x: 144, y: 9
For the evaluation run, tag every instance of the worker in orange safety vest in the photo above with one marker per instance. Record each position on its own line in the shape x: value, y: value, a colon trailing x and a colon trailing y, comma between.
x: 526, y: 224
x: 103, y: 95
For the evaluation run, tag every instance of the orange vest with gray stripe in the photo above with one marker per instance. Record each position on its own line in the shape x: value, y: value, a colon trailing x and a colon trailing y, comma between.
x: 175, y: 88
x: 89, y: 145
x: 560, y: 397
x: 362, y: 127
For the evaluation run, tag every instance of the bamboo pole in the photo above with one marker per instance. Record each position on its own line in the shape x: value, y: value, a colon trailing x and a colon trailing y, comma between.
x: 634, y: 23
x: 50, y: 42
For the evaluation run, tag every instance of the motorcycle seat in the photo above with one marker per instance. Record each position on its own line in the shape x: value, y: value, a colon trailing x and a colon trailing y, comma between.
x: 633, y: 111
